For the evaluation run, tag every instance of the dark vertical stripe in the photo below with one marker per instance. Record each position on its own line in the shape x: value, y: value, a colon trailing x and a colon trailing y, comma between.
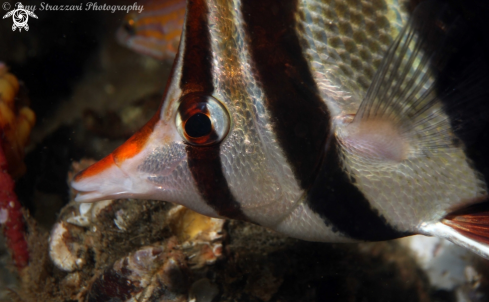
x: 205, y: 165
x: 197, y: 81
x: 301, y: 121
x: 299, y: 117
x: 197, y: 56
x: 339, y: 202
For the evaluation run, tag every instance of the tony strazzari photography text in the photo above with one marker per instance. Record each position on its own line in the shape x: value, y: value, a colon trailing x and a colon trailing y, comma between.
x: 43, y: 6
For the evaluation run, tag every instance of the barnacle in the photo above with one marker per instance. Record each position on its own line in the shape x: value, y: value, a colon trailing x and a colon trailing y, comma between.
x: 65, y: 248
x: 201, y: 236
x: 167, y: 261
x: 16, y: 122
x: 152, y: 273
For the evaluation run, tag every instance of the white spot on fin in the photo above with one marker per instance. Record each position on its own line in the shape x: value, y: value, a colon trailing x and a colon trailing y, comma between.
x: 377, y: 139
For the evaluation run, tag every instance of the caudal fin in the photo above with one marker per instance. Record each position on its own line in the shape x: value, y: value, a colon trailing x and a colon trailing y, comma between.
x: 468, y: 228
x: 472, y: 222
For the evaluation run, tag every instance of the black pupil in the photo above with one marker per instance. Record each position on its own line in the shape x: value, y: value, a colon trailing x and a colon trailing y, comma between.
x: 198, y: 125
x: 129, y: 28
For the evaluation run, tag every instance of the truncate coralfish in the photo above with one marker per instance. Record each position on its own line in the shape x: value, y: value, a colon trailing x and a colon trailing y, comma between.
x: 335, y: 121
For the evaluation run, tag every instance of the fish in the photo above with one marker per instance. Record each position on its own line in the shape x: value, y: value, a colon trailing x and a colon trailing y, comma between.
x: 156, y: 30
x: 328, y: 121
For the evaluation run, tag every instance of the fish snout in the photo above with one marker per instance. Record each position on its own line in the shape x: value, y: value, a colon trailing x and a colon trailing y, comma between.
x: 105, y: 180
x: 117, y: 175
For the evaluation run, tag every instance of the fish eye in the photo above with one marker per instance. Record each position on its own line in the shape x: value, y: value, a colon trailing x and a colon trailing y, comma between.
x: 201, y: 119
x: 129, y: 26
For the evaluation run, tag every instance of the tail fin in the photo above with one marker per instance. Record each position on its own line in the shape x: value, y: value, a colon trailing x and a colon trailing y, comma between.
x: 468, y: 228
x: 472, y: 222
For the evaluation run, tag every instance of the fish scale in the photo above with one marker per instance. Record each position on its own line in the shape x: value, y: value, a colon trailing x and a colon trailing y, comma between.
x: 456, y: 181
x: 334, y: 121
x: 233, y: 78
x: 349, y: 56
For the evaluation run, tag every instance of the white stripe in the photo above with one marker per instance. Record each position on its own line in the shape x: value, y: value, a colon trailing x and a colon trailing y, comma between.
x: 254, y: 164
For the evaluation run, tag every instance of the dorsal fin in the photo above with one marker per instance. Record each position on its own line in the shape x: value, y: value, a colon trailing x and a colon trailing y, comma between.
x: 404, y: 112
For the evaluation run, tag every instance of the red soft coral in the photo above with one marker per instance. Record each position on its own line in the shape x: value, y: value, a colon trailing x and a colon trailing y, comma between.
x: 11, y: 213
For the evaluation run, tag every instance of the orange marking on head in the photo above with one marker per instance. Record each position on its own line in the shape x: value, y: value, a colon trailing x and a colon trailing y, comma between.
x: 137, y: 142
x: 127, y: 150
x: 96, y: 168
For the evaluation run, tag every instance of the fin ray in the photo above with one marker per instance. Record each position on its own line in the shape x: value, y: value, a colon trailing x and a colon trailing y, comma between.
x: 405, y: 89
x: 468, y: 227
x: 472, y: 222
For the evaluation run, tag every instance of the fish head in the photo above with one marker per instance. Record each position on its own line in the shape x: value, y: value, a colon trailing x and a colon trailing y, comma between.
x: 212, y: 146
x: 154, y: 163
x: 127, y: 30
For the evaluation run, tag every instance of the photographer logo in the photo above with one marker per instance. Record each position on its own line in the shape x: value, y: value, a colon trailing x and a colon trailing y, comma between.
x: 20, y: 16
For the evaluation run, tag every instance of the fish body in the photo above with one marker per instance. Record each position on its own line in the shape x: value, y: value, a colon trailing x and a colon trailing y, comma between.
x: 155, y: 31
x: 326, y: 121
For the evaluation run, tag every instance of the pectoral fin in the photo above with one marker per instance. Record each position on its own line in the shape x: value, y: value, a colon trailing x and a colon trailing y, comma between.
x: 406, y: 113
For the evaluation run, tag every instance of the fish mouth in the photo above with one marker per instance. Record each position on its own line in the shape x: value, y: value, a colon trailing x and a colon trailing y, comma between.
x: 92, y: 196
x: 107, y: 180
x: 104, y: 192
x: 122, y: 173
x: 97, y: 182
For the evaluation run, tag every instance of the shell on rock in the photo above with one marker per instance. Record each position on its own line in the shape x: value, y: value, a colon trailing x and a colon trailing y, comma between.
x: 152, y: 273
x: 201, y: 236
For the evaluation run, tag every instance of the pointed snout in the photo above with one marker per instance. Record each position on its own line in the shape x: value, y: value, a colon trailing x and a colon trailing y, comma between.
x: 102, y: 180
x: 108, y: 179
x: 115, y: 176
